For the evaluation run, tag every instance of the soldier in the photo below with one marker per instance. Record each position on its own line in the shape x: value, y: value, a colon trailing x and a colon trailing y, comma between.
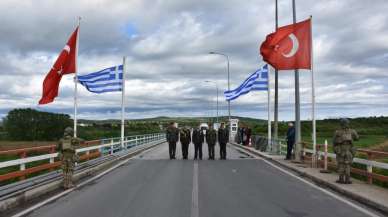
x: 185, y: 138
x: 172, y: 135
x: 290, y: 140
x: 223, y: 139
x: 67, y: 154
x: 198, y: 139
x: 343, y: 148
x: 211, y: 139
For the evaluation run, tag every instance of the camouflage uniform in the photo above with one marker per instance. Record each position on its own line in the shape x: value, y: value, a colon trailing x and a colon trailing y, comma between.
x: 67, y: 154
x: 344, y: 150
x: 185, y: 138
x: 211, y: 139
x: 172, y: 136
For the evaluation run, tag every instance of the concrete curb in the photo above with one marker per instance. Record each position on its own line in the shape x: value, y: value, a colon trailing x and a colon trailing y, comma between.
x: 39, y: 191
x: 351, y: 195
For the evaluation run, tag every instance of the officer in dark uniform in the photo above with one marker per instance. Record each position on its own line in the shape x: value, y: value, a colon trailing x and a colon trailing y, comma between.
x: 211, y: 139
x: 198, y: 139
x: 290, y: 138
x: 223, y: 139
x: 172, y: 136
x: 185, y: 138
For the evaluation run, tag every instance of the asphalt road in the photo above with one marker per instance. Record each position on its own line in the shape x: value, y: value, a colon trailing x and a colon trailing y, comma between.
x: 151, y: 185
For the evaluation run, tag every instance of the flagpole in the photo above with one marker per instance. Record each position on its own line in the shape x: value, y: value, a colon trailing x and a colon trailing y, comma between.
x: 123, y: 103
x: 76, y: 81
x: 313, y: 94
x: 269, y: 110
x: 276, y: 110
x: 298, y: 147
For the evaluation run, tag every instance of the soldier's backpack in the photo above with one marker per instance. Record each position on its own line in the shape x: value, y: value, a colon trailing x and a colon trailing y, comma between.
x: 67, y: 146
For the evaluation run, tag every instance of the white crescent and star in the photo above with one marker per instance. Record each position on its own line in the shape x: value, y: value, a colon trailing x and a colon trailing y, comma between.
x: 67, y: 48
x: 295, y: 46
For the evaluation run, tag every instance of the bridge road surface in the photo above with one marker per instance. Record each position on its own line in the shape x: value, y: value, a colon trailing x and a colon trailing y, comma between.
x: 151, y: 185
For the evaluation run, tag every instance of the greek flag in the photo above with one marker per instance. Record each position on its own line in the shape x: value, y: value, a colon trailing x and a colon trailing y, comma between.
x: 257, y: 81
x: 106, y: 80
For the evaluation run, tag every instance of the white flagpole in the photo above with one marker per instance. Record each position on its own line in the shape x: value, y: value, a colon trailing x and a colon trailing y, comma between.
x: 269, y: 109
x: 313, y: 94
x: 123, y: 103
x: 76, y: 81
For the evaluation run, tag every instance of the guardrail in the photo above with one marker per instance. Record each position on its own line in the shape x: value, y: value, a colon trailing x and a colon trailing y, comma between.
x: 89, y: 150
x: 369, y: 162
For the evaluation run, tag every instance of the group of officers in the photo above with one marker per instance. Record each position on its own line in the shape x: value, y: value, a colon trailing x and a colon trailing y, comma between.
x: 342, y: 145
x: 197, y: 136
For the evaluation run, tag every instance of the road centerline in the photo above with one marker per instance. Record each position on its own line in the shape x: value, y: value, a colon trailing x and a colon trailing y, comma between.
x: 194, y: 195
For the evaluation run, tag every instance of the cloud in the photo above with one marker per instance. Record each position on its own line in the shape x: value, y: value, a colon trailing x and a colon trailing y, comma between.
x: 167, y: 45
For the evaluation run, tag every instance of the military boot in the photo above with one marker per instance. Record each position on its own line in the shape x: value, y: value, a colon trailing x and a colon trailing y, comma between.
x: 341, y: 179
x: 347, y: 180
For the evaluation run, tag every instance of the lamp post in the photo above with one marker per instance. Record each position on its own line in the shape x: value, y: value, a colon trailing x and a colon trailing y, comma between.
x: 216, y: 94
x: 227, y: 60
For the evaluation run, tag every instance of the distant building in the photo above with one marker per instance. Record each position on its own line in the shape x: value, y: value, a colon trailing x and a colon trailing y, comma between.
x: 84, y: 125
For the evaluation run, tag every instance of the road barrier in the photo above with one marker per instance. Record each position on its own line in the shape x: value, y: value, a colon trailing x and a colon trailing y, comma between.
x: 48, y: 161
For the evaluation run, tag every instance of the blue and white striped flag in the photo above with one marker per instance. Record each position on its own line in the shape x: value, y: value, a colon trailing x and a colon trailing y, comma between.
x: 257, y: 81
x: 106, y: 80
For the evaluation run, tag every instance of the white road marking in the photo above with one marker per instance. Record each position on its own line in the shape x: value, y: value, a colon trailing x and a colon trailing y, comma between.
x: 55, y: 197
x: 194, y: 195
x: 365, y: 211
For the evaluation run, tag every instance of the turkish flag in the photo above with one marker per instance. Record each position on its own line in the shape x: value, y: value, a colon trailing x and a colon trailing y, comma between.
x: 289, y: 47
x: 65, y: 64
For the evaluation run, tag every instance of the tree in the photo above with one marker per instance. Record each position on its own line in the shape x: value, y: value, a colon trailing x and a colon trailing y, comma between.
x: 29, y: 124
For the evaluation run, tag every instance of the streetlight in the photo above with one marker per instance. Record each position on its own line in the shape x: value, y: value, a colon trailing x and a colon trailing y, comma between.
x: 227, y: 59
x: 217, y: 95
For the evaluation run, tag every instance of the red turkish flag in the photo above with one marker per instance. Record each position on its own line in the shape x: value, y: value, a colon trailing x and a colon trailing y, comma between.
x: 65, y: 64
x: 289, y: 47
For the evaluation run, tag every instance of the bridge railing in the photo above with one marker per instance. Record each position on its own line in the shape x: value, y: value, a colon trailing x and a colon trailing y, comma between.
x: 367, y: 163
x: 373, y: 165
x: 44, y: 158
x: 261, y: 143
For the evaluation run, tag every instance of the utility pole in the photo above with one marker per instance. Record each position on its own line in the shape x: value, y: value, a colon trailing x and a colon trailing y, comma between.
x: 227, y: 60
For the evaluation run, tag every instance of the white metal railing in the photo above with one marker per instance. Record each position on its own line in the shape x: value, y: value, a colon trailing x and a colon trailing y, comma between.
x: 113, y: 145
x: 368, y: 163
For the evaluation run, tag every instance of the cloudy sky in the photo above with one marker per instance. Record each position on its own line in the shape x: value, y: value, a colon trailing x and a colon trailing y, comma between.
x: 167, y: 44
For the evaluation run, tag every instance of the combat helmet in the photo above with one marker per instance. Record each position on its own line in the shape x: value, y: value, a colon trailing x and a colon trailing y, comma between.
x: 344, y: 122
x: 68, y: 131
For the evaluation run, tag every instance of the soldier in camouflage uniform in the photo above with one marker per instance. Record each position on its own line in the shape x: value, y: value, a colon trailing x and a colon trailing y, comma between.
x: 185, y: 138
x: 172, y: 136
x: 344, y: 150
x: 211, y: 139
x: 67, y: 154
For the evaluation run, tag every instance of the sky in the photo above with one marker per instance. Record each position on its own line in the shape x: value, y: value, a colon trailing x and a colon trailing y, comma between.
x: 167, y: 45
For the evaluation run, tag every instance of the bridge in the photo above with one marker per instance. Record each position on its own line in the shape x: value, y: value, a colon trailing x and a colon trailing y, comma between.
x: 139, y: 180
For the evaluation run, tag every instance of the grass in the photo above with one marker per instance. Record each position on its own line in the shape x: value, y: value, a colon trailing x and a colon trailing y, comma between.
x: 6, y: 145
